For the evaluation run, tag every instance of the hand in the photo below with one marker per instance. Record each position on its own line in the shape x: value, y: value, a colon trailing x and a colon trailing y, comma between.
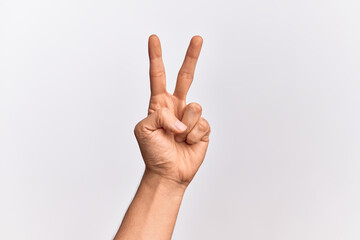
x: 173, y: 138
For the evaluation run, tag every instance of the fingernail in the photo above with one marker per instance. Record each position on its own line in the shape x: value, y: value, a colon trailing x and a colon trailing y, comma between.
x: 180, y: 126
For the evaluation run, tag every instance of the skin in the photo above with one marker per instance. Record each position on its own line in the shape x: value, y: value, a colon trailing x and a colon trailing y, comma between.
x: 173, y: 140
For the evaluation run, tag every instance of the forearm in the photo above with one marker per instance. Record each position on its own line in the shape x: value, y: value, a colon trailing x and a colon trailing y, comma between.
x: 153, y: 211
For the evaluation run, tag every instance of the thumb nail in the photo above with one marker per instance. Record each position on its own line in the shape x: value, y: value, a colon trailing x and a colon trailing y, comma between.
x: 180, y: 126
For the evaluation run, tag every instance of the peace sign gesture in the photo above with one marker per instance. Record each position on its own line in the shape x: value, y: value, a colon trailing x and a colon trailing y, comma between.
x: 173, y: 138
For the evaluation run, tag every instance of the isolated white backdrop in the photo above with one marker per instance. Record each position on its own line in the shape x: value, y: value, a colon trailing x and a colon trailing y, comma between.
x: 278, y: 81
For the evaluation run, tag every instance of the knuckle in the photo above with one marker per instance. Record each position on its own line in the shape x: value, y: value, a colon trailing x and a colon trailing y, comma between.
x: 157, y: 74
x: 162, y: 112
x: 209, y: 128
x: 150, y: 111
x: 162, y: 115
x: 185, y: 75
x: 194, y: 107
x: 190, y: 140
x: 137, y: 129
x: 203, y: 125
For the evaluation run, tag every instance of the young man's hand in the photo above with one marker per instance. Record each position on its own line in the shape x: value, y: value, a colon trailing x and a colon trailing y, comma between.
x: 173, y: 138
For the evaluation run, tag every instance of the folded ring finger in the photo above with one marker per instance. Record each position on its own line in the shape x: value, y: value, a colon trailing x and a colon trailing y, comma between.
x: 200, y: 132
x: 192, y: 114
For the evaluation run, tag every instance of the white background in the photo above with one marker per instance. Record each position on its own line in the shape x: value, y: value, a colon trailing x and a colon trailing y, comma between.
x: 278, y: 81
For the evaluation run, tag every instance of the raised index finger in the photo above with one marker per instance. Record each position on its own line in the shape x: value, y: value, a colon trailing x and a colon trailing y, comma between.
x: 157, y: 70
x: 186, y: 73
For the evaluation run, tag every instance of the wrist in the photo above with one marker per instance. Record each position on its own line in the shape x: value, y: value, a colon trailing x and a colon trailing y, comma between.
x: 162, y: 184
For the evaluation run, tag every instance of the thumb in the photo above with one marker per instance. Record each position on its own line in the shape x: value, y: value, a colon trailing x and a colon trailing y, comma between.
x: 162, y: 118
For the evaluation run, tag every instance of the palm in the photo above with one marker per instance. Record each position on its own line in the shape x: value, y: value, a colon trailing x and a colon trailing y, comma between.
x: 181, y: 158
x: 161, y: 152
